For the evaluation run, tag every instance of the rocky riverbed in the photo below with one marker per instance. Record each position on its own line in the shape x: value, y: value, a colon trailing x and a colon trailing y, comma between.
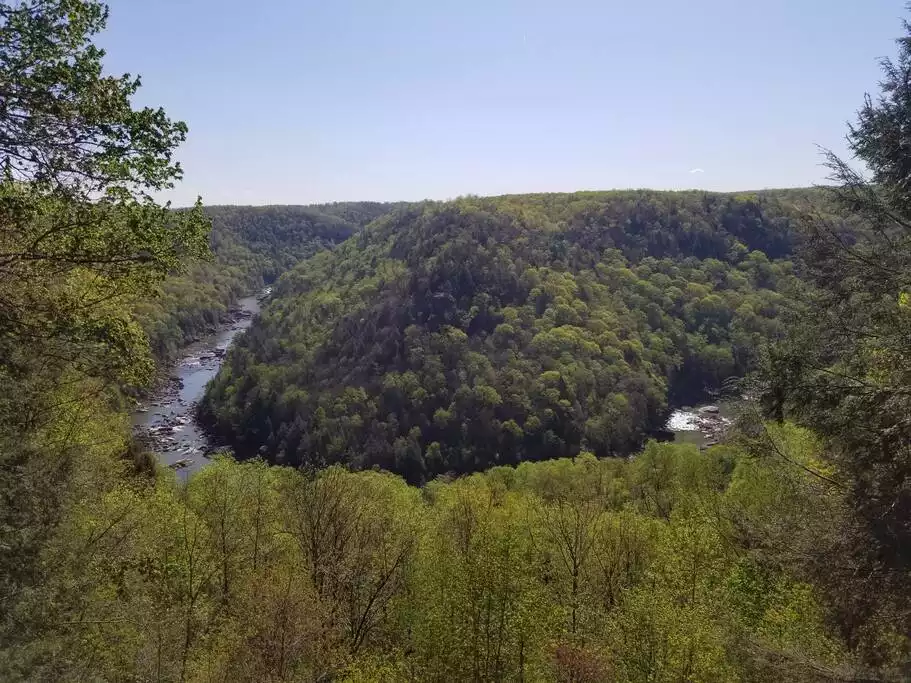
x: 166, y: 422
x: 703, y: 425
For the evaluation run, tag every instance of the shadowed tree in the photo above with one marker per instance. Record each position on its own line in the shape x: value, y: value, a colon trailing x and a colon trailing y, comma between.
x: 845, y: 369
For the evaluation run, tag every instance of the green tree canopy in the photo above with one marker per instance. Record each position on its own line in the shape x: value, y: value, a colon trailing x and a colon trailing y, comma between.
x: 80, y: 235
x: 79, y: 165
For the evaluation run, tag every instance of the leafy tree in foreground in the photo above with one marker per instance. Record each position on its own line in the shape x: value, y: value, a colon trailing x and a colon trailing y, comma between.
x: 561, y: 570
x: 79, y: 163
x: 80, y: 234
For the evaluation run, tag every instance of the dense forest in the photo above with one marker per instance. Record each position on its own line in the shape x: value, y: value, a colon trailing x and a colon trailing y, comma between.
x: 249, y: 248
x: 452, y: 337
x: 664, y: 568
x: 534, y: 337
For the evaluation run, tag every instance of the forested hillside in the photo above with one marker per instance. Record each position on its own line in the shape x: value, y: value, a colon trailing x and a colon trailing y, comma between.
x: 444, y: 338
x: 250, y: 247
x: 452, y: 337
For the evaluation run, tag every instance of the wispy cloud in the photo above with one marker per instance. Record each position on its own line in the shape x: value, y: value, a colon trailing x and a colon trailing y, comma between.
x: 696, y: 170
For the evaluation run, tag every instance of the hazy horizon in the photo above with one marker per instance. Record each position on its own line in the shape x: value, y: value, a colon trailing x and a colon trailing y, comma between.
x: 357, y: 101
x: 510, y: 194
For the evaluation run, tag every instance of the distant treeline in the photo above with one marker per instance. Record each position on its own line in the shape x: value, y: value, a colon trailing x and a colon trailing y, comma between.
x: 251, y: 247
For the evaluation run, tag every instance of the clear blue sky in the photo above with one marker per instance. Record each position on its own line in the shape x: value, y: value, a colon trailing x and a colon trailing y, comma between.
x: 300, y: 101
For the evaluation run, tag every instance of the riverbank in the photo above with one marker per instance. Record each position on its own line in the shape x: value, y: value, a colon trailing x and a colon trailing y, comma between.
x: 165, y: 423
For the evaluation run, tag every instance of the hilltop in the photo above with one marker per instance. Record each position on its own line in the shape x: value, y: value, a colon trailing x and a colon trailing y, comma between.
x: 451, y: 336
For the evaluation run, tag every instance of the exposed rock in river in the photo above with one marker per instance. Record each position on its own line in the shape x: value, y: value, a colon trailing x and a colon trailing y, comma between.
x: 707, y: 421
x: 171, y: 431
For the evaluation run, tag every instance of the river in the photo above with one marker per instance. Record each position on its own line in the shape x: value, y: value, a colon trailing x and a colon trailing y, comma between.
x: 168, y: 425
x: 703, y: 425
x: 166, y: 420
